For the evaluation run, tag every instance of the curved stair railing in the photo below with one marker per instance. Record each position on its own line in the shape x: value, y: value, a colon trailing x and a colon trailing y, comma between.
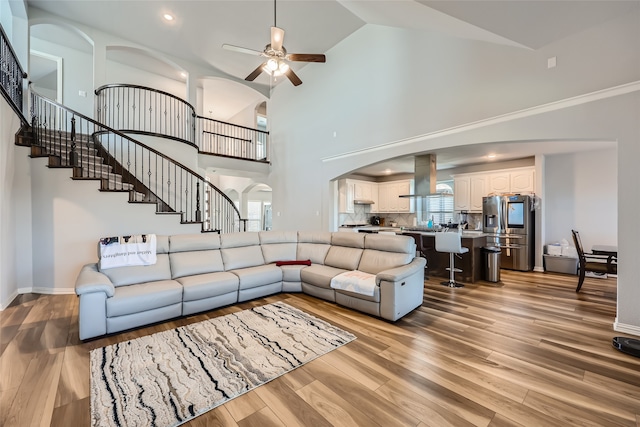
x: 11, y: 76
x: 143, y: 110
x: 96, y: 151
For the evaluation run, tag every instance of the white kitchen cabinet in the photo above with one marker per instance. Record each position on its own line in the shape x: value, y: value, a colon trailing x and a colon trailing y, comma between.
x: 405, y: 204
x: 461, y: 193
x: 362, y: 190
x: 478, y: 186
x: 383, y: 197
x: 375, y: 207
x: 389, y: 197
x: 500, y: 182
x: 346, y: 193
x: 523, y: 181
x: 469, y: 189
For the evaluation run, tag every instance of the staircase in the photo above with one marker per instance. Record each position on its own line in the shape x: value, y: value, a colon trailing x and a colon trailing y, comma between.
x: 88, y: 165
x: 122, y: 164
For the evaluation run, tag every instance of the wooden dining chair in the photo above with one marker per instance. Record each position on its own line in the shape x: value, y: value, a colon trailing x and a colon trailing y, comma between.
x: 590, y: 262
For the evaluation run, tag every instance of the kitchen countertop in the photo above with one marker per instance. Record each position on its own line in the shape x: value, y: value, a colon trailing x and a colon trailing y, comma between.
x: 472, y: 234
x: 380, y: 228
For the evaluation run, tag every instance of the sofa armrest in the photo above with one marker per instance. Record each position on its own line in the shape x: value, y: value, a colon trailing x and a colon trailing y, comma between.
x: 91, y: 280
x: 401, y: 289
x: 397, y: 274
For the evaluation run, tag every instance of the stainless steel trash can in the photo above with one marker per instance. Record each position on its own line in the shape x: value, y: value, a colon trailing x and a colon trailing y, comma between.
x: 491, y: 263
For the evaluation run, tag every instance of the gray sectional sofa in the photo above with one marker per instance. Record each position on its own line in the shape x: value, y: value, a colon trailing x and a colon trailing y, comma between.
x: 200, y: 272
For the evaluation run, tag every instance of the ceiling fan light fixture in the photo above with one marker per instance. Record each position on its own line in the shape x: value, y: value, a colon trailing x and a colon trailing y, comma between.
x: 283, y: 67
x: 277, y: 57
x: 272, y: 64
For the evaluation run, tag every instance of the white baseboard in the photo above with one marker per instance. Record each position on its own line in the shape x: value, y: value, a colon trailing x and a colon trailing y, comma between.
x: 628, y: 329
x: 37, y: 290
x: 47, y: 291
x: 11, y: 298
x: 538, y: 269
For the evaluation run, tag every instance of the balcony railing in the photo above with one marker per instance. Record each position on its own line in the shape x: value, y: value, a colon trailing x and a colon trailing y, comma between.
x: 11, y: 76
x: 139, y: 109
x: 229, y: 140
x: 143, y: 110
x: 96, y: 151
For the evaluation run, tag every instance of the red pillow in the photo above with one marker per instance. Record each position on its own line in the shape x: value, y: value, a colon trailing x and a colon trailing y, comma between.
x: 301, y: 262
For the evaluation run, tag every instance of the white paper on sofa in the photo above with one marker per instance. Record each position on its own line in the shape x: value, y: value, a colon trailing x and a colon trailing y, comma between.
x: 355, y: 281
x: 124, y: 251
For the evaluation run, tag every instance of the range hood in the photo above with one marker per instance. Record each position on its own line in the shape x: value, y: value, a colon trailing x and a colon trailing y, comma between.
x: 363, y: 202
x: 425, y: 177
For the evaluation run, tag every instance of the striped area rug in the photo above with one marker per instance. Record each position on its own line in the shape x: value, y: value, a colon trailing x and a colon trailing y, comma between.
x: 171, y: 377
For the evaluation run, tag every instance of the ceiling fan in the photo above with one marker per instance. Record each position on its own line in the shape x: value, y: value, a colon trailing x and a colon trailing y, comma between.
x: 277, y: 60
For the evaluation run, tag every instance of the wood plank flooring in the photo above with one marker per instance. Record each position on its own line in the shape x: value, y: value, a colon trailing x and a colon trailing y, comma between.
x: 529, y: 351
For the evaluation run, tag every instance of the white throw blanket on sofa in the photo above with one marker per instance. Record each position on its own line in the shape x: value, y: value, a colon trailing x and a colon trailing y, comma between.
x: 355, y: 281
x: 125, y: 251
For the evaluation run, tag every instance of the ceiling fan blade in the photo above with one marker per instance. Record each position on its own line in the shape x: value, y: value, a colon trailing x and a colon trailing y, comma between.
x: 241, y: 49
x: 307, y: 57
x: 255, y: 73
x: 277, y: 38
x: 293, y: 77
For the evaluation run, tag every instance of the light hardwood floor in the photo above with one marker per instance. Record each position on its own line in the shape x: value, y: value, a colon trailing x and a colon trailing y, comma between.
x: 528, y: 352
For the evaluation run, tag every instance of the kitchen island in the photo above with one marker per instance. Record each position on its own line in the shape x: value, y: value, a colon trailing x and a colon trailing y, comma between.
x: 471, y: 263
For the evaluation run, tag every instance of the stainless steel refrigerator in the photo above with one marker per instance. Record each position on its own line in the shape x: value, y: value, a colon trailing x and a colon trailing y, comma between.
x: 509, y: 224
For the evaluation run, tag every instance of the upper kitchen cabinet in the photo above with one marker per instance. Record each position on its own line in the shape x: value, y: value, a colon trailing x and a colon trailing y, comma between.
x: 363, y: 190
x: 470, y: 188
x: 353, y: 192
x: 346, y: 193
x: 518, y: 180
x: 523, y: 181
x: 375, y: 198
x: 478, y: 186
x: 385, y: 196
x: 389, y: 197
x: 461, y: 193
x: 499, y: 182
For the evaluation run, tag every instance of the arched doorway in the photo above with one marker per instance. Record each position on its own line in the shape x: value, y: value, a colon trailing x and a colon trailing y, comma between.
x: 258, y: 207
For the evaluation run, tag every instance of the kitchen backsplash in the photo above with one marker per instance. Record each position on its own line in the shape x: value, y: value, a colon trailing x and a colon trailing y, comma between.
x: 362, y: 215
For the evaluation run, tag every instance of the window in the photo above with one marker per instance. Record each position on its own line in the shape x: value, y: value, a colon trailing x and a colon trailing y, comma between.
x: 258, y: 215
x: 254, y: 215
x: 441, y: 207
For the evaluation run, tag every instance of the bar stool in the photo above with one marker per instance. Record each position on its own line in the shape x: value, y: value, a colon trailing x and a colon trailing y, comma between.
x: 451, y: 242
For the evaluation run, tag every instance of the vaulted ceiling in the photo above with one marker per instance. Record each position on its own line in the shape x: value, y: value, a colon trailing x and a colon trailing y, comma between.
x: 200, y: 28
x: 315, y: 26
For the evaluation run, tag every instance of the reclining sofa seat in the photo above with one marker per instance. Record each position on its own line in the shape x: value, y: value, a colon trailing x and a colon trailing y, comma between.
x: 343, y: 252
x: 242, y: 256
x: 200, y: 272
x: 130, y: 296
x: 283, y: 246
x: 196, y: 263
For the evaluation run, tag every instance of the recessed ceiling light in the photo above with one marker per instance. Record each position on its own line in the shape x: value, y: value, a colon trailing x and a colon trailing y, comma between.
x: 387, y: 171
x: 168, y: 17
x: 183, y: 74
x: 491, y: 156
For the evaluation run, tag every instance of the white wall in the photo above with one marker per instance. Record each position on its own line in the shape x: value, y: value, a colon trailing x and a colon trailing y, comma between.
x: 9, y: 125
x: 15, y: 209
x: 122, y: 73
x: 77, y: 74
x: 70, y: 216
x: 581, y: 193
x: 246, y: 117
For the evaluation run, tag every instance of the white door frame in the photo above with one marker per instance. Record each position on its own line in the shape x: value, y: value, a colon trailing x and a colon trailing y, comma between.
x: 58, y: 61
